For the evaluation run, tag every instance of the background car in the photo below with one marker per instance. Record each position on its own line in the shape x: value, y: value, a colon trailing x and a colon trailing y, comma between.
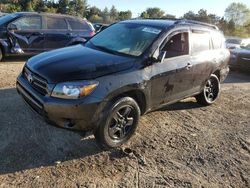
x: 235, y: 42
x: 33, y: 33
x: 100, y: 26
x: 240, y: 58
x: 2, y: 14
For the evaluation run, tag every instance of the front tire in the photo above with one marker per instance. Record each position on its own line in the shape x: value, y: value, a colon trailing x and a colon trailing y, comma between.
x: 211, y: 91
x: 1, y: 54
x: 119, y: 123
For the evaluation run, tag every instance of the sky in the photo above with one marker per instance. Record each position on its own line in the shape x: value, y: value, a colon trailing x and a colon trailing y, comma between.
x: 174, y: 7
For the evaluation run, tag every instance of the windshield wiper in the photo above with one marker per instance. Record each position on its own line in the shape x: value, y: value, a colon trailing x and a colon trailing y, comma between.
x: 106, y: 50
x: 103, y: 48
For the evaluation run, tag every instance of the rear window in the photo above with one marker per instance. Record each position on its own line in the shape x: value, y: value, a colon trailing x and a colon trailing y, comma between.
x: 200, y: 41
x: 56, y: 23
x: 77, y: 25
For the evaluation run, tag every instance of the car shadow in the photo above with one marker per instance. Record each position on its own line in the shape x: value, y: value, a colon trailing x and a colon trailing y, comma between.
x: 15, y: 59
x: 181, y: 105
x: 27, y: 142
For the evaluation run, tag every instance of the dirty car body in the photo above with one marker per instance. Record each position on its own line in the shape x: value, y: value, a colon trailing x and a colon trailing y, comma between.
x: 29, y: 33
x: 166, y: 69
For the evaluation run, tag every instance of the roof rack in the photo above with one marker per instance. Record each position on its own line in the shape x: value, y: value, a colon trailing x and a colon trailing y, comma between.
x: 183, y: 21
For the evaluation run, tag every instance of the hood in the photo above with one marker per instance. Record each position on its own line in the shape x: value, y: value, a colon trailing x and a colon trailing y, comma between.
x: 77, y: 63
x: 241, y: 52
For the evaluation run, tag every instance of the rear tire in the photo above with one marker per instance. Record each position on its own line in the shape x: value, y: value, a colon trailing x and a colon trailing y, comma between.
x: 118, y: 124
x: 211, y: 91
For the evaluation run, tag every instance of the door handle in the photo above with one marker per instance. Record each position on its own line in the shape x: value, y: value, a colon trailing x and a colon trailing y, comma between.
x: 189, y: 65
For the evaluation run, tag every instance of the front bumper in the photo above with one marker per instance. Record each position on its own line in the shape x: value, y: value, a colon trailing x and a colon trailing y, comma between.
x: 81, y: 114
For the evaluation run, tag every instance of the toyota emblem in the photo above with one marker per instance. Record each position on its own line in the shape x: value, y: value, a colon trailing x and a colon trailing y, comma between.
x: 30, y: 78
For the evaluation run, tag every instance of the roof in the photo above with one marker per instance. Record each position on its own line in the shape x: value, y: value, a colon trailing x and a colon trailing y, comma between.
x: 43, y: 13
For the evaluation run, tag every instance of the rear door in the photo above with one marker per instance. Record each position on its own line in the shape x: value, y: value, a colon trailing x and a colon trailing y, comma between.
x: 57, y: 33
x: 202, y: 57
x: 28, y: 33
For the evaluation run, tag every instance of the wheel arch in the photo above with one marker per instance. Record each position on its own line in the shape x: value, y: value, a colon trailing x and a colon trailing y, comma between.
x: 2, y: 48
x: 217, y: 73
x: 137, y: 94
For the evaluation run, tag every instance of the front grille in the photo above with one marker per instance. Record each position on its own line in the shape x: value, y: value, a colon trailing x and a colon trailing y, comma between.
x: 37, y: 82
x: 30, y: 99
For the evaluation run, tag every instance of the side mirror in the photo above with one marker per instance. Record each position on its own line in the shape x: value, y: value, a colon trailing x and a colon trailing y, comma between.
x: 162, y: 56
x: 159, y: 56
x: 12, y: 27
x: 84, y: 41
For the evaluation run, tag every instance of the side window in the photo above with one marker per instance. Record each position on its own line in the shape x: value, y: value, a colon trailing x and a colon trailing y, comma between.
x: 56, y: 23
x: 200, y: 41
x: 77, y: 25
x: 28, y: 23
x: 218, y: 40
x: 177, y: 45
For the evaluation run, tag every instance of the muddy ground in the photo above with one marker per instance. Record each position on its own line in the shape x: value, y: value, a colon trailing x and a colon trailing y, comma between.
x: 182, y: 145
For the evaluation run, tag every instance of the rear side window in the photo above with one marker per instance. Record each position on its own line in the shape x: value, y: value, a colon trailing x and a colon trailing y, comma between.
x: 218, y: 40
x: 56, y: 23
x: 200, y: 41
x: 77, y: 25
x: 28, y: 23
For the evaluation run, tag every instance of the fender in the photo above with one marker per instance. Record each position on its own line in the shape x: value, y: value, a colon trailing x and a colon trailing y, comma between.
x: 135, y: 91
x: 139, y: 92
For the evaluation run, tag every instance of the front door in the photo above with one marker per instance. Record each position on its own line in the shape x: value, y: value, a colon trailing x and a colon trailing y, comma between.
x: 28, y: 34
x: 171, y: 79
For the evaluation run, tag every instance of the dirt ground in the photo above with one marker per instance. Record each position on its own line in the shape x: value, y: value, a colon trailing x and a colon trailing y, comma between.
x: 182, y: 145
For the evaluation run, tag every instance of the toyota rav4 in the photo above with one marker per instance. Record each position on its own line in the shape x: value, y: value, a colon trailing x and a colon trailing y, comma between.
x: 129, y: 69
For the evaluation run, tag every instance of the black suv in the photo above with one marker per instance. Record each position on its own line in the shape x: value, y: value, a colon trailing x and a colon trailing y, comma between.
x: 126, y: 70
x: 32, y: 33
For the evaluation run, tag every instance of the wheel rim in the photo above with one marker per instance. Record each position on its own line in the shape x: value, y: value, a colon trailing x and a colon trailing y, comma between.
x: 122, y: 123
x: 211, y: 89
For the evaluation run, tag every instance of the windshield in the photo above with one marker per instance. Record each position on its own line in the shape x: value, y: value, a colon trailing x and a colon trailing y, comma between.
x: 7, y: 18
x: 125, y: 38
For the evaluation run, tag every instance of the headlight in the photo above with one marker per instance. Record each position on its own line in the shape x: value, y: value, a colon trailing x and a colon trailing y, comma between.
x: 74, y: 90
